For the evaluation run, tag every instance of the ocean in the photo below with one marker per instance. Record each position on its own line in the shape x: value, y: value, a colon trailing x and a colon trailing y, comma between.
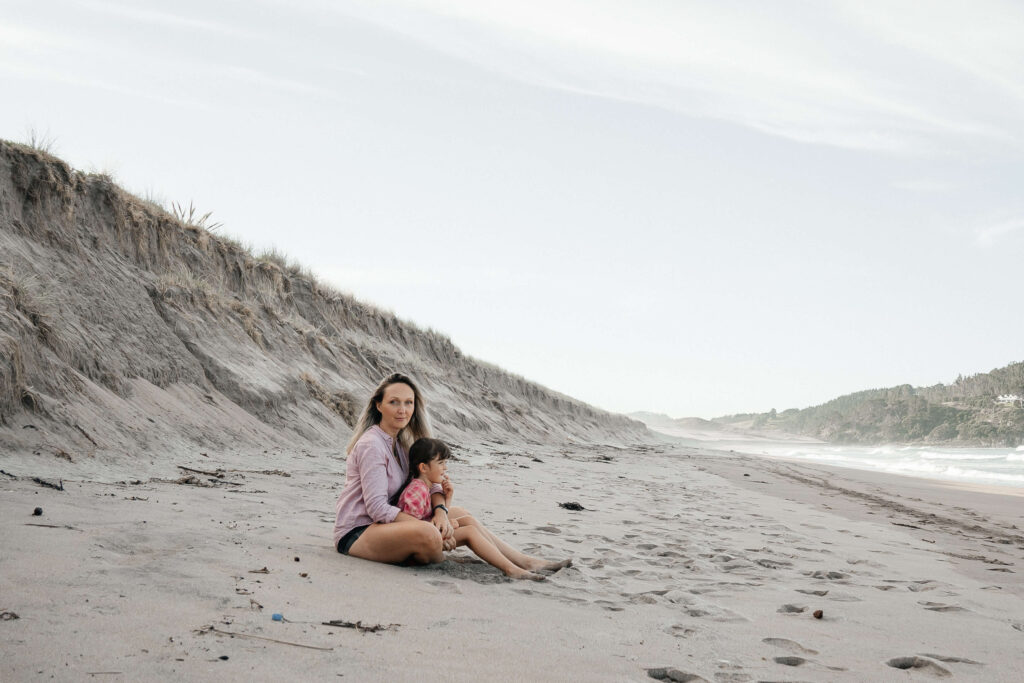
x: 989, y: 466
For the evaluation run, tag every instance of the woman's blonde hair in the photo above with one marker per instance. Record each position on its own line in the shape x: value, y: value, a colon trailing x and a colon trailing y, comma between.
x: 419, y: 424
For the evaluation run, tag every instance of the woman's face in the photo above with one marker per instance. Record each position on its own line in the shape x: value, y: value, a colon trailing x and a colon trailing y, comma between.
x: 396, y: 408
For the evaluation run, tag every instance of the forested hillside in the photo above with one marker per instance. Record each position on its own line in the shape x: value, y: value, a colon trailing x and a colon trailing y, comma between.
x: 965, y: 412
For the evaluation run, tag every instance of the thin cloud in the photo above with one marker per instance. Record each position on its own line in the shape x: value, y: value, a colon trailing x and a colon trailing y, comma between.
x: 989, y: 235
x: 261, y: 78
x: 922, y: 185
x: 805, y: 81
x: 150, y: 16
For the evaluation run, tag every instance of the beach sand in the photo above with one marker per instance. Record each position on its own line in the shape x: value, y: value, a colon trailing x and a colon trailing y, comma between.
x: 688, y: 565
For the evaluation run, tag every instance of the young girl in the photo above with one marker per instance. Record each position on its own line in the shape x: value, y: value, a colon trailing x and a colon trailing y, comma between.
x: 428, y: 465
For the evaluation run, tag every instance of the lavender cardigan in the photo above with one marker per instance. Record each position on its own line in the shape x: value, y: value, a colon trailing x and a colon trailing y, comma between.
x: 372, y: 476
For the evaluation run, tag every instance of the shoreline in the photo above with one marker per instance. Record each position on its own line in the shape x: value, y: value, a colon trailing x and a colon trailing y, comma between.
x: 723, y: 444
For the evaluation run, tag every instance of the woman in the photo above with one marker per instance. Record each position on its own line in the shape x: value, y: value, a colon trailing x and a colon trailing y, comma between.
x: 367, y: 524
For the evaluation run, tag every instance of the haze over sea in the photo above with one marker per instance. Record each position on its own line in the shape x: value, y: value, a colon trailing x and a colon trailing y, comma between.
x: 987, y: 466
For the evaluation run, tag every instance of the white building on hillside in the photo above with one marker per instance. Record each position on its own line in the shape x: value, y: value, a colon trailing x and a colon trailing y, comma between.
x: 1010, y: 400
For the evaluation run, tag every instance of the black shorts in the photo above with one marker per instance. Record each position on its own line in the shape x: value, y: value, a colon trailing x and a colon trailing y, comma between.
x: 351, y: 537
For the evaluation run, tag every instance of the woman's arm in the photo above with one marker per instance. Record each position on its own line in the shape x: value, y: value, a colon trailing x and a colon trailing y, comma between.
x: 371, y: 463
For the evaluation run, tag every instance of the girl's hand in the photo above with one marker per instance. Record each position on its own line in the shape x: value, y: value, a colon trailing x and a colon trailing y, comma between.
x: 447, y: 489
x: 442, y: 524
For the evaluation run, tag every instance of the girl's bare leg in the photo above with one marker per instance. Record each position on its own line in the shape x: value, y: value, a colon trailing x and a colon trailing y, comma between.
x: 474, y: 537
x: 397, y: 542
x: 518, y: 558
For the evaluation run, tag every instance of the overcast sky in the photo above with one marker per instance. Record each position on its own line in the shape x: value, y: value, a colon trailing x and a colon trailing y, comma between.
x: 695, y: 208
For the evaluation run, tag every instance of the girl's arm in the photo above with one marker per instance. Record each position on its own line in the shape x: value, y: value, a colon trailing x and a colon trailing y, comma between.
x: 440, y: 521
x: 449, y: 491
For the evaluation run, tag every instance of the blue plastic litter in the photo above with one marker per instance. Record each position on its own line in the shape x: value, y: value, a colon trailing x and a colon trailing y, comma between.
x: 278, y: 617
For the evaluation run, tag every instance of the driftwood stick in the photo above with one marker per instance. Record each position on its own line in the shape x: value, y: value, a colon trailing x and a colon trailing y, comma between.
x: 213, y: 629
x: 53, y: 526
x: 360, y: 626
x: 218, y: 474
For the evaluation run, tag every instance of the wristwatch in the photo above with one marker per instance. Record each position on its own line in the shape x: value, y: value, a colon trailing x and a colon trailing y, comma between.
x: 440, y: 506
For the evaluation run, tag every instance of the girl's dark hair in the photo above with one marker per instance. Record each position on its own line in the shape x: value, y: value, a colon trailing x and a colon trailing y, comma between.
x: 421, y: 452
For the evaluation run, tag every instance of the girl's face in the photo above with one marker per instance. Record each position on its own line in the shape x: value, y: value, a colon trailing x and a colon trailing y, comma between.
x: 396, y: 408
x: 434, y: 470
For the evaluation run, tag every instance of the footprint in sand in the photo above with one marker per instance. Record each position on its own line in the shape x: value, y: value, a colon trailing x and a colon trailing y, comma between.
x: 789, y: 645
x: 675, y: 675
x: 790, y: 660
x: 827, y: 575
x: 446, y: 585
x: 920, y: 587
x: 941, y: 607
x: 792, y: 609
x: 773, y: 564
x: 919, y: 664
x: 609, y: 605
x: 679, y: 630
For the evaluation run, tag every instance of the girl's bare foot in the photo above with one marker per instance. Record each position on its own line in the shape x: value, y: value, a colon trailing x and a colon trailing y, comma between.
x: 536, y: 564
x: 524, y: 574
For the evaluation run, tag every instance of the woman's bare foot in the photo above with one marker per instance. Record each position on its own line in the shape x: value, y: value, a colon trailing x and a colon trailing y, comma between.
x: 524, y: 574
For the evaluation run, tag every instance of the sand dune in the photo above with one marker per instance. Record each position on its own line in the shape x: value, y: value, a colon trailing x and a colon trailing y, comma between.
x: 124, y: 330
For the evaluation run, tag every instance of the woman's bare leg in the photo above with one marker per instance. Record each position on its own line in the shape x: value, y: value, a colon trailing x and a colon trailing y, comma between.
x: 474, y: 537
x: 518, y: 558
x: 397, y: 542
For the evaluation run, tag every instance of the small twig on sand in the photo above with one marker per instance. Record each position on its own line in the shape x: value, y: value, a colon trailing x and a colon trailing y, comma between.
x: 259, y: 571
x: 359, y: 626
x: 49, y: 484
x: 212, y: 629
x: 53, y: 526
x: 219, y: 474
x: 280, y: 473
x: 8, y: 474
x: 909, y: 526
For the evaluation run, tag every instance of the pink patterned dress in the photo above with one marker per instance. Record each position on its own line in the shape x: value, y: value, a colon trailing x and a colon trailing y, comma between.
x: 415, y: 500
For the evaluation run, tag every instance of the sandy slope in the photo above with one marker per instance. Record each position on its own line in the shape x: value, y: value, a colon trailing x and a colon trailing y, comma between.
x: 682, y: 562
x: 125, y: 331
